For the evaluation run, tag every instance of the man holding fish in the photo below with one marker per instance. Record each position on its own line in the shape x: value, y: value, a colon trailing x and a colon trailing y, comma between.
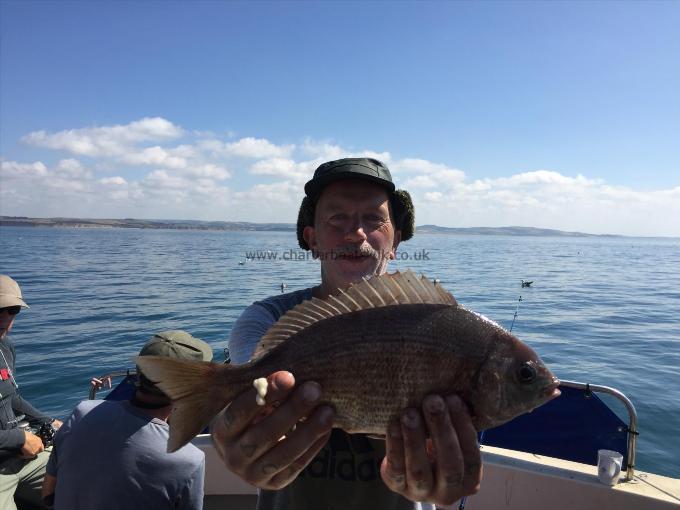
x: 353, y: 219
x: 333, y: 366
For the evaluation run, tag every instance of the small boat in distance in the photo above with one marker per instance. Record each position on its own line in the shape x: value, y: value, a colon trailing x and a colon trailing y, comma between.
x: 526, y: 283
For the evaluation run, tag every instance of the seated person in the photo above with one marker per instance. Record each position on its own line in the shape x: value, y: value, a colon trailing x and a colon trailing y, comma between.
x: 112, y: 454
x: 22, y: 455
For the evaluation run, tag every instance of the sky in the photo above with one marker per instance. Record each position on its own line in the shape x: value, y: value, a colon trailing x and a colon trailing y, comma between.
x: 560, y: 115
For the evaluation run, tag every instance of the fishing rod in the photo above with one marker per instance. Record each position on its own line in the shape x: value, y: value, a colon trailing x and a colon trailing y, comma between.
x: 516, y: 312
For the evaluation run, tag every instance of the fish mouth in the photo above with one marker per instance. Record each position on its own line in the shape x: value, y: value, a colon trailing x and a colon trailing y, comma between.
x: 552, y: 391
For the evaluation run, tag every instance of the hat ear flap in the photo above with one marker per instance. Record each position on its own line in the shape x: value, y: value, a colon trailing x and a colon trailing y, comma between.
x: 305, y: 219
x: 404, y: 214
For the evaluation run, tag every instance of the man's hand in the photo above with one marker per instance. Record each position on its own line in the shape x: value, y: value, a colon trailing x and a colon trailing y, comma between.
x: 441, y: 469
x: 267, y: 446
x: 33, y: 445
x: 57, y: 424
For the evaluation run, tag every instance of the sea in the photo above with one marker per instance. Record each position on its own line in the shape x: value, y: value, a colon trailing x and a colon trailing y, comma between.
x: 601, y: 310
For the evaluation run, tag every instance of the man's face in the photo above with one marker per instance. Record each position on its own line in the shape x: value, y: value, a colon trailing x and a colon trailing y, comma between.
x: 353, y: 232
x: 7, y: 316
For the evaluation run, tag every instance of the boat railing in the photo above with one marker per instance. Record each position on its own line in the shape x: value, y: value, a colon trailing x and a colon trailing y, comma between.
x: 632, y: 417
x: 111, y: 375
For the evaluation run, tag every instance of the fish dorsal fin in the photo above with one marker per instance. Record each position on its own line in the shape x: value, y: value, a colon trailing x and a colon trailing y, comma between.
x: 374, y: 292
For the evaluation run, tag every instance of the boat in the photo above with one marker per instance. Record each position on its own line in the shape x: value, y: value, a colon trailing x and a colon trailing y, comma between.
x: 546, y: 459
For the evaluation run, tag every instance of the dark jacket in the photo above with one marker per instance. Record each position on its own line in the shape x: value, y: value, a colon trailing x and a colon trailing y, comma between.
x: 11, y: 404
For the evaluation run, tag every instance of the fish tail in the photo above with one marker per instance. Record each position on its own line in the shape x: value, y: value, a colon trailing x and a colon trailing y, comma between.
x: 199, y: 390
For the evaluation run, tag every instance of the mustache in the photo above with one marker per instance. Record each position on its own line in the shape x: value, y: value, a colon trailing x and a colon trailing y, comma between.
x: 364, y: 250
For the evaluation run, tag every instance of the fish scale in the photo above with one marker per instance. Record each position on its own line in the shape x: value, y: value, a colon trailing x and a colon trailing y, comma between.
x: 356, y: 362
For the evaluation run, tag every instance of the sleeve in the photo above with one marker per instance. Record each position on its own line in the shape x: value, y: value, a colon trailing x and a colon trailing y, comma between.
x: 11, y: 442
x: 22, y: 406
x: 247, y: 331
x: 192, y: 495
x: 33, y: 416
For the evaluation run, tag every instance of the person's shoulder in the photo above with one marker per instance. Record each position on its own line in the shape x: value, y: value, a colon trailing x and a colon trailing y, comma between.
x: 86, y: 406
x: 256, y: 319
x: 285, y: 301
x: 6, y: 344
x: 190, y: 455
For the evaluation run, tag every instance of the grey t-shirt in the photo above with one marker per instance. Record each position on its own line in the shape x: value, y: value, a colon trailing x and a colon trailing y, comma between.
x: 111, y: 455
x: 345, y: 474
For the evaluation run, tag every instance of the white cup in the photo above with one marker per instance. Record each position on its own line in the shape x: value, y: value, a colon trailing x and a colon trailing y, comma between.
x: 609, y: 466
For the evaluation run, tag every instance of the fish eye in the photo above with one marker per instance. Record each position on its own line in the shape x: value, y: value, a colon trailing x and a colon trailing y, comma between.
x: 527, y: 373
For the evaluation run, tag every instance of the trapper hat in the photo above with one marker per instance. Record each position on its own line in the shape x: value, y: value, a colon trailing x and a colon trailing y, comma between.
x: 175, y: 344
x: 10, y: 293
x: 368, y: 169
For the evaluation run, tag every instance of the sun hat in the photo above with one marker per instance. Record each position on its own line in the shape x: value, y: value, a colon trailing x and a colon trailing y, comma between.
x: 367, y: 169
x: 177, y: 344
x: 10, y: 293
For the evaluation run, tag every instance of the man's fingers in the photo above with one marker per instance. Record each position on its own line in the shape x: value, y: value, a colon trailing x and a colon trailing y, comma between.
x: 283, y: 478
x: 449, y: 460
x: 290, y: 456
x: 467, y: 438
x: 393, y: 467
x: 244, y: 408
x: 261, y: 437
x: 418, y: 468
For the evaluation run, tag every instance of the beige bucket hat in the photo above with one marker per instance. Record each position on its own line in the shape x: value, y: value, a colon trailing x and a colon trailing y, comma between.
x: 10, y: 293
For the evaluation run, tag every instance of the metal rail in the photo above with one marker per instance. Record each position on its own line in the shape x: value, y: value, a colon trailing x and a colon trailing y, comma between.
x: 110, y: 375
x: 632, y: 418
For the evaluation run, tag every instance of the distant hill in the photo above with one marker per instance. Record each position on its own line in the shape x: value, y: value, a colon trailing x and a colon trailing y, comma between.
x: 22, y: 221
x: 505, y: 231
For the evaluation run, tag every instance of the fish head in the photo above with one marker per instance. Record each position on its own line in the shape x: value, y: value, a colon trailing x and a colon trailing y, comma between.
x: 513, y: 381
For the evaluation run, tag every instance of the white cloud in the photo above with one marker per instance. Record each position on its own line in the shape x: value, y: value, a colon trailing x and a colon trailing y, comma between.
x: 140, y: 170
x: 72, y: 169
x: 284, y: 168
x: 208, y: 170
x: 409, y: 165
x: 420, y: 181
x: 252, y: 148
x: 113, y: 181
x: 324, y: 151
x: 13, y: 169
x: 550, y: 199
x: 105, y: 140
x: 154, y: 156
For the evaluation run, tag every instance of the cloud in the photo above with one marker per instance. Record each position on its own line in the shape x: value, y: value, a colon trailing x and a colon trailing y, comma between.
x: 113, y: 181
x: 14, y: 170
x: 142, y: 169
x: 252, y: 148
x: 284, y: 168
x: 106, y: 140
x: 72, y: 169
x: 154, y: 156
x: 549, y: 199
x: 411, y: 165
x: 209, y: 170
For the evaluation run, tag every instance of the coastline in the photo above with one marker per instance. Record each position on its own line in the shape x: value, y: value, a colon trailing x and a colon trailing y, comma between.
x: 244, y: 226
